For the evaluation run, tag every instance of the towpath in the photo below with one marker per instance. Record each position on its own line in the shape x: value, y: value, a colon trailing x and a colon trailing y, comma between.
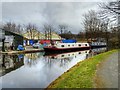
x: 107, y: 73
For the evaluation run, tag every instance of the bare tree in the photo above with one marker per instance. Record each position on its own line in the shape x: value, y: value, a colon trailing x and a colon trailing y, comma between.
x: 7, y: 26
x: 12, y: 27
x: 92, y: 25
x: 48, y: 31
x: 31, y: 29
x: 18, y: 29
x: 62, y: 28
x: 95, y: 27
x: 64, y: 32
x: 111, y: 10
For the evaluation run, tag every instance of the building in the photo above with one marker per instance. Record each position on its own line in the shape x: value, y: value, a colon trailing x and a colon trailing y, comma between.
x: 54, y: 36
x: 8, y: 38
x: 1, y: 38
x: 31, y: 37
x: 34, y: 36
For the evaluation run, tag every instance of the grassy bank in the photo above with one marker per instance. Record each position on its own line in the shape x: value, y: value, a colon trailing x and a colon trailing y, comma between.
x: 82, y: 74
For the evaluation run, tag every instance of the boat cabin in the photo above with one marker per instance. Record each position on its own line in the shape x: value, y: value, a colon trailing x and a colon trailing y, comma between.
x: 71, y: 45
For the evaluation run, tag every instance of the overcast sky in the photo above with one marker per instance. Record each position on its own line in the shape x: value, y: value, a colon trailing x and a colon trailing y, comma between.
x: 54, y: 13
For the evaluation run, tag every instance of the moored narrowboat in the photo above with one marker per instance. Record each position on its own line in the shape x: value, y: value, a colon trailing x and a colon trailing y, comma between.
x: 66, y: 47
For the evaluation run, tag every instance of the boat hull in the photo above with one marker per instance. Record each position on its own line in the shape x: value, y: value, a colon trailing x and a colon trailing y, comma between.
x: 97, y: 46
x: 54, y: 49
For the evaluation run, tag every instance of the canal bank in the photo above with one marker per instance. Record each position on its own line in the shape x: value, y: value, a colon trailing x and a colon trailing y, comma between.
x: 28, y: 49
x: 81, y: 75
x: 21, y: 52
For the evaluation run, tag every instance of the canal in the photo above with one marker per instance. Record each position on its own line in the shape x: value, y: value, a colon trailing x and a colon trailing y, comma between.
x: 38, y: 70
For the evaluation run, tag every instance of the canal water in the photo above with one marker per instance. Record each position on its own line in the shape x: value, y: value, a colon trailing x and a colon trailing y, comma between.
x: 38, y: 70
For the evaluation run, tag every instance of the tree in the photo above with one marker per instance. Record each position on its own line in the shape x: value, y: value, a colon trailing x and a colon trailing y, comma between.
x: 31, y: 30
x: 112, y: 9
x: 96, y: 27
x: 48, y: 31
x: 92, y: 25
x: 12, y: 27
x: 64, y: 32
x: 62, y: 28
x: 81, y: 36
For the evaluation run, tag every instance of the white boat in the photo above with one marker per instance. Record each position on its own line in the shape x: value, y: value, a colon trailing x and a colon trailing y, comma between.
x: 66, y: 47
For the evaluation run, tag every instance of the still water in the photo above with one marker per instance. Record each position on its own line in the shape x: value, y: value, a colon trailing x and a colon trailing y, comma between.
x: 38, y: 70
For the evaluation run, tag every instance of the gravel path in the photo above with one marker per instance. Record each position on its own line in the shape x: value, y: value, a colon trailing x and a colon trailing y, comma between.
x: 107, y: 73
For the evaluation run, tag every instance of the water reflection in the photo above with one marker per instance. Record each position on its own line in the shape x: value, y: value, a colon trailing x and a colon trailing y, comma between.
x: 32, y: 59
x: 11, y: 62
x: 38, y: 70
x: 96, y: 51
x: 65, y: 58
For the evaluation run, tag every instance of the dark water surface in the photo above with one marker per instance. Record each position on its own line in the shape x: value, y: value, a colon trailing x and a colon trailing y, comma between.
x: 37, y: 70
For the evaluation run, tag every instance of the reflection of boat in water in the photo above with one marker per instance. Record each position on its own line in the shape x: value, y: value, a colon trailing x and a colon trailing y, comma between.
x: 96, y: 51
x: 67, y: 55
x: 99, y: 50
x: 63, y: 59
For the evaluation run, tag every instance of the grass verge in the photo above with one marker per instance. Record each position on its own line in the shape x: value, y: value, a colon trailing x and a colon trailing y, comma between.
x: 82, y: 74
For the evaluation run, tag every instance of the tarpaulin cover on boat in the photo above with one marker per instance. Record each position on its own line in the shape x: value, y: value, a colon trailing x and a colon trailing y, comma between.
x: 69, y: 41
x: 45, y: 41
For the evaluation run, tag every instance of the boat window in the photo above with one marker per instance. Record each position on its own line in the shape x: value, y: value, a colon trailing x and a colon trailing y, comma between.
x: 79, y: 44
x: 72, y: 45
x: 62, y: 45
x: 69, y: 45
x: 79, y: 52
x: 85, y: 44
x: 62, y: 55
x: 52, y: 57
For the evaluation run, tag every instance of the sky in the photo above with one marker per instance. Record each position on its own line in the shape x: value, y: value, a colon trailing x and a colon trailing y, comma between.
x: 67, y: 12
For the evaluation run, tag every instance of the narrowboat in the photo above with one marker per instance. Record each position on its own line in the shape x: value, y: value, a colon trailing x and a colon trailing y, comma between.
x: 61, y: 47
x: 98, y: 44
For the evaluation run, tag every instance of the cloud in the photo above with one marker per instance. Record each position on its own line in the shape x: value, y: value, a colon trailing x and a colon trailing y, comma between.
x: 56, y: 0
x: 55, y: 13
x: 0, y: 12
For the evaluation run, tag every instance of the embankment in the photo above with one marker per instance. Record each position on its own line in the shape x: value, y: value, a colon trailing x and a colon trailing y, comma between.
x: 81, y: 75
